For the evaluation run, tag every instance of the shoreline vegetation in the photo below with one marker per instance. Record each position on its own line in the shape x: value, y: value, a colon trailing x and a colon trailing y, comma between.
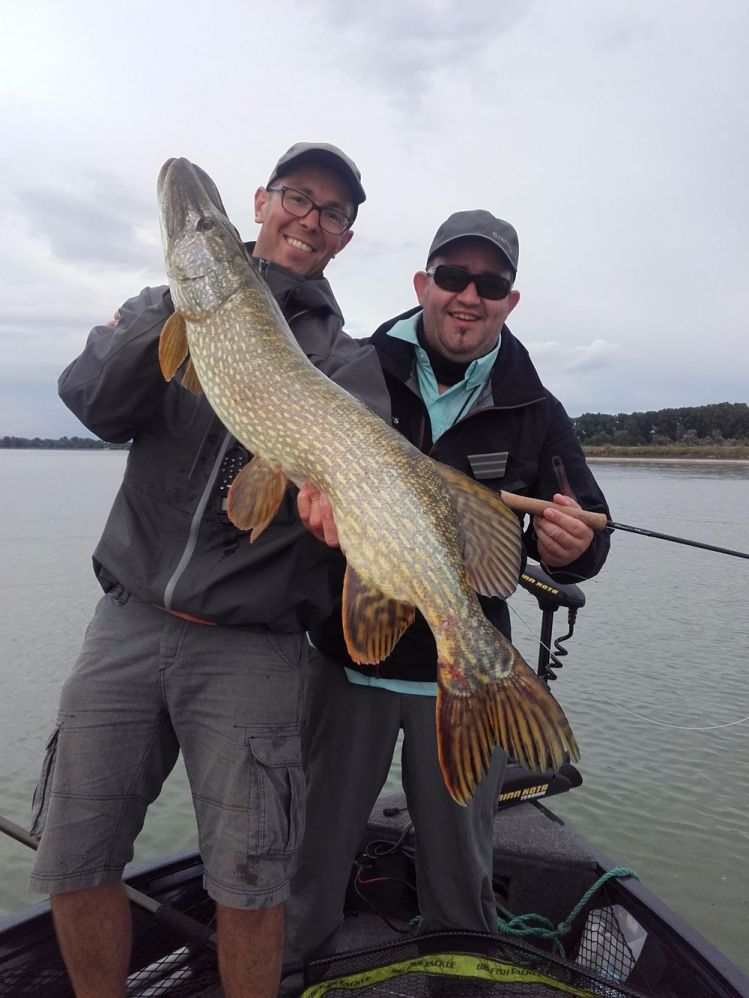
x: 654, y: 452
x: 675, y: 453
x: 718, y: 432
x: 59, y: 443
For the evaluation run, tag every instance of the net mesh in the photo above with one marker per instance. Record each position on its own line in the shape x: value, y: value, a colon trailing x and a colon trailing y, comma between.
x: 162, y: 963
x: 454, y: 965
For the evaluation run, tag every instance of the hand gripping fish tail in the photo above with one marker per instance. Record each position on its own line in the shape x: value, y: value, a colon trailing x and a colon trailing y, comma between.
x: 416, y: 534
x: 504, y: 703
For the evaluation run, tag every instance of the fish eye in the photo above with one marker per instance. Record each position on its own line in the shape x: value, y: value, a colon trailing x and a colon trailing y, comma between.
x: 205, y: 224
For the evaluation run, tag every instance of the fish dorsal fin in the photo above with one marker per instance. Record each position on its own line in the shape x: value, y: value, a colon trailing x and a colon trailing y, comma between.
x: 372, y: 621
x: 191, y: 381
x: 173, y: 347
x: 255, y: 495
x: 491, y: 534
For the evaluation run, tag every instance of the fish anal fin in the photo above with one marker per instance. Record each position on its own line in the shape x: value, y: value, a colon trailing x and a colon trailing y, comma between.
x: 372, y: 621
x: 516, y: 713
x: 492, y: 534
x: 191, y: 381
x: 255, y: 496
x: 173, y: 348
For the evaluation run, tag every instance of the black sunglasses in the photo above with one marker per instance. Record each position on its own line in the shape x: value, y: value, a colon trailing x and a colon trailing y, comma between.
x: 456, y: 279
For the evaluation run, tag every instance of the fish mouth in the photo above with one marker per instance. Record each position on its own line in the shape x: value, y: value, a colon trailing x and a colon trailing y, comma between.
x: 182, y: 188
x: 163, y: 175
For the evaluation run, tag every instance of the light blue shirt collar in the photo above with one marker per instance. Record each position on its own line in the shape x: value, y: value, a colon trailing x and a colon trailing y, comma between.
x: 446, y: 408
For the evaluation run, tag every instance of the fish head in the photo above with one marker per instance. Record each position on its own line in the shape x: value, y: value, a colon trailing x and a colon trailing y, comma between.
x: 206, y: 260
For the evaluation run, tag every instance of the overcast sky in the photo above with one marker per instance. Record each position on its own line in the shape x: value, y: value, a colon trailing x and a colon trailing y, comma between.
x: 612, y: 134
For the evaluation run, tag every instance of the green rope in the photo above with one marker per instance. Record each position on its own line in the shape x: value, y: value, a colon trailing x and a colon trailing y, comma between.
x: 538, y: 925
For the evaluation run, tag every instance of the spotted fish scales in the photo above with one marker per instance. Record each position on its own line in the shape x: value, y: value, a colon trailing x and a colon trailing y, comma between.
x: 416, y: 534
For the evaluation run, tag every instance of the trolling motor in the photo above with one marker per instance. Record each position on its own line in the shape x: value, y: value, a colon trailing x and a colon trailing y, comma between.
x: 551, y: 595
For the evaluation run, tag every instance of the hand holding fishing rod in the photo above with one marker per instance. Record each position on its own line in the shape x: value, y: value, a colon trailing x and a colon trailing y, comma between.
x: 563, y: 537
x: 599, y: 521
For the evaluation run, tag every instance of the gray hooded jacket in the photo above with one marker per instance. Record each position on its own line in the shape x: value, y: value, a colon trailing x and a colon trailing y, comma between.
x: 168, y: 540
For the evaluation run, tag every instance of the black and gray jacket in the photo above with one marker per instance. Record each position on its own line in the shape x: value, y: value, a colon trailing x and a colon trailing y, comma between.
x: 168, y: 540
x: 508, y: 441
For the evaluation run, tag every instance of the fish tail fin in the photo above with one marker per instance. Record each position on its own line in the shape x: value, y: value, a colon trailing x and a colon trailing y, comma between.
x: 506, y: 706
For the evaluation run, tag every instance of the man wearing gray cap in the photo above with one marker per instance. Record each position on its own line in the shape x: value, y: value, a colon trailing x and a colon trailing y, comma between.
x: 199, y: 641
x: 464, y: 390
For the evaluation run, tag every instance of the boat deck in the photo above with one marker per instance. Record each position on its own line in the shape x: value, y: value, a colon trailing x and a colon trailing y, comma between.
x: 541, y: 867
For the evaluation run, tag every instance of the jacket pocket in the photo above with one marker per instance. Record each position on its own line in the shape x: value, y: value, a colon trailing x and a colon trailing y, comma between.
x: 276, y: 818
x: 43, y: 789
x: 119, y: 595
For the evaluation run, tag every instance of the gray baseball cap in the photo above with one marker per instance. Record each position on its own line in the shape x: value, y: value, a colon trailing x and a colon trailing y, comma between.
x: 328, y: 155
x: 478, y: 224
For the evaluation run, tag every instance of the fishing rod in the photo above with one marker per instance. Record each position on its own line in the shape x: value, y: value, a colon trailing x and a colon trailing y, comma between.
x: 183, y: 924
x: 599, y: 521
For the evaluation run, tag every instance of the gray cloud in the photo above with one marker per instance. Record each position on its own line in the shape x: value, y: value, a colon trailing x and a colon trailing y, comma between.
x: 419, y: 25
x: 572, y: 359
x: 100, y: 220
x: 599, y: 354
x: 379, y: 249
x: 613, y: 135
x: 33, y: 409
x: 404, y: 45
x: 43, y: 315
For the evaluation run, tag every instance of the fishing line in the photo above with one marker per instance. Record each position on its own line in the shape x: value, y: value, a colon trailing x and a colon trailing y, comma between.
x: 666, y: 724
x: 595, y: 694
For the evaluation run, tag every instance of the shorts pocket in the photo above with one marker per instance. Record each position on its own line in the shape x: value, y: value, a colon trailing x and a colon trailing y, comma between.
x: 40, y: 801
x: 276, y: 819
x: 292, y: 648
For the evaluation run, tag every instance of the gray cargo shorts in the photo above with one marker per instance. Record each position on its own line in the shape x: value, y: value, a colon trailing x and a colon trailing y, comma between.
x: 145, y: 686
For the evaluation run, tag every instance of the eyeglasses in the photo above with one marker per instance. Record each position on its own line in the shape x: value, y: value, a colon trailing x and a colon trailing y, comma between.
x: 331, y: 219
x: 455, y: 279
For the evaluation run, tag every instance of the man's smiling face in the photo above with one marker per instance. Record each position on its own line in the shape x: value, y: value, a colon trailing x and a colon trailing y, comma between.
x: 461, y: 325
x: 299, y: 244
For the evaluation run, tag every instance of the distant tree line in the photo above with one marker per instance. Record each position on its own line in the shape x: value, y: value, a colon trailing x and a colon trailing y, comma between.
x: 723, y: 424
x: 62, y: 443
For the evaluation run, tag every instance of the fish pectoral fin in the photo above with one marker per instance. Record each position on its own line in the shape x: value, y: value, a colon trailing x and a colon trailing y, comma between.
x: 515, y: 712
x: 492, y: 535
x: 191, y: 381
x: 173, y: 348
x: 255, y: 495
x: 372, y: 621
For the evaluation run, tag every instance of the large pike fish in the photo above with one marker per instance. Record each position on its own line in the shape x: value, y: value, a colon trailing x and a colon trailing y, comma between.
x: 415, y: 533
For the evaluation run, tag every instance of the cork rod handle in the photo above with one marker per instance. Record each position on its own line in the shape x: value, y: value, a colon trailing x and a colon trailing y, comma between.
x: 525, y: 504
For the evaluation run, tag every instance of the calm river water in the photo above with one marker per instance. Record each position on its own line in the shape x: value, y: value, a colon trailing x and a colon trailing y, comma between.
x: 654, y: 684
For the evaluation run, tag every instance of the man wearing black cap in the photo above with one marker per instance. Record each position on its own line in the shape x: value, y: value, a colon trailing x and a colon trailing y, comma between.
x: 304, y: 174
x: 464, y: 390
x: 198, y: 643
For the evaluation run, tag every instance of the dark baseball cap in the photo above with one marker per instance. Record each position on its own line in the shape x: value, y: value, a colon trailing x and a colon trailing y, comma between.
x: 327, y: 155
x: 478, y: 224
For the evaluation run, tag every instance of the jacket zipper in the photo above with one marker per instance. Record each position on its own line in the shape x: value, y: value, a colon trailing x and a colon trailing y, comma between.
x: 192, y: 538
